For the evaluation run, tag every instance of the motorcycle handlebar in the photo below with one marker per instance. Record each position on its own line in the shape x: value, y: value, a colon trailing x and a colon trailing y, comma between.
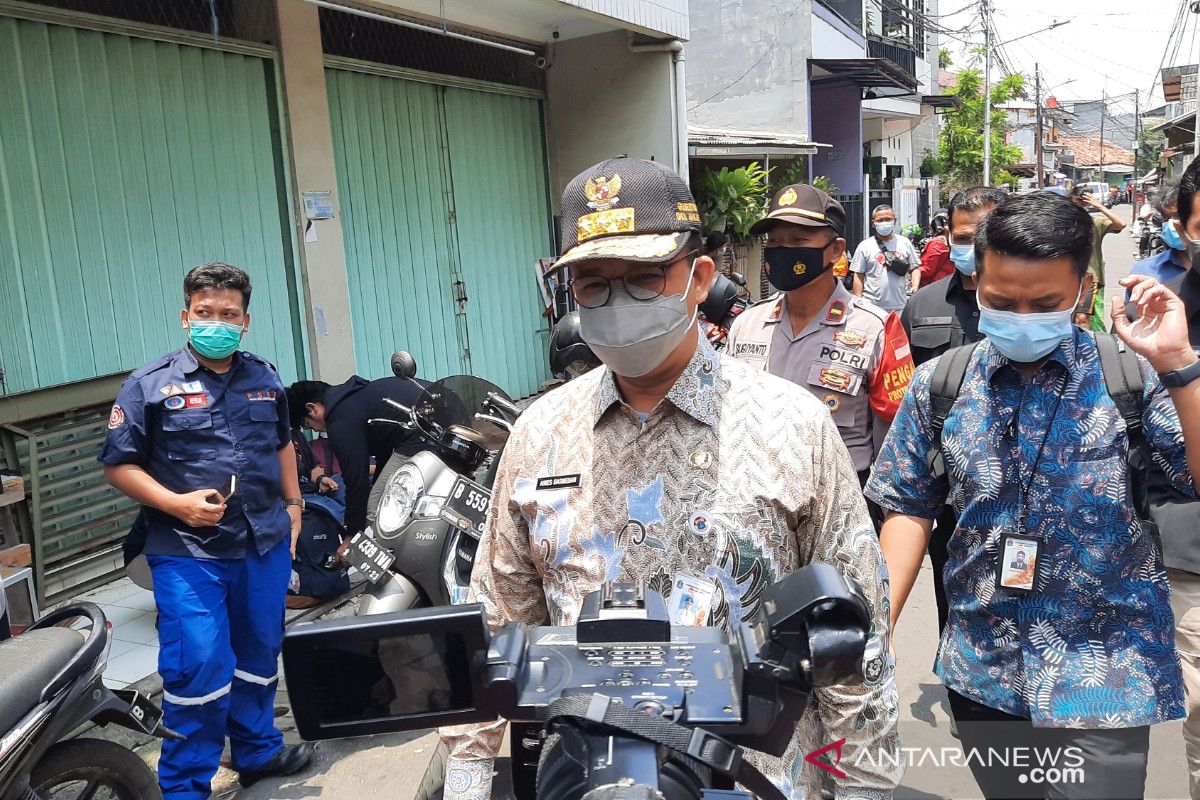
x: 503, y: 405
x: 403, y: 409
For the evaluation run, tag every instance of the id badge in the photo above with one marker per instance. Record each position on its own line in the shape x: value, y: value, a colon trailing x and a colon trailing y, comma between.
x: 691, y: 599
x: 1019, y: 556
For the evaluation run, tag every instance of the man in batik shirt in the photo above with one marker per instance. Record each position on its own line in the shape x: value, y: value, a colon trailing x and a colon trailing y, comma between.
x: 1069, y: 650
x: 672, y: 462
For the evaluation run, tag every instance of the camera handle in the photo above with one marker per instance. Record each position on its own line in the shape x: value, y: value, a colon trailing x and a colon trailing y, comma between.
x: 714, y: 752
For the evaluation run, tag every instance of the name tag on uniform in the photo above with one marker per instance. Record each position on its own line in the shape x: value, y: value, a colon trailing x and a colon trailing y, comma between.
x: 836, y: 378
x: 750, y: 350
x: 558, y: 482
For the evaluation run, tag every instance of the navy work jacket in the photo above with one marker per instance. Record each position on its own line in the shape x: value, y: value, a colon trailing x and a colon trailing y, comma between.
x: 191, y: 429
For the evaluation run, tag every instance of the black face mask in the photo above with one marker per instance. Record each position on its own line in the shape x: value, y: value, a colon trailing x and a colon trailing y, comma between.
x: 793, y: 267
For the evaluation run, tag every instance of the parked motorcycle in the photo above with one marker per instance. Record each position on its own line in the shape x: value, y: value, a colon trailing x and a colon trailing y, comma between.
x: 1150, y: 242
x: 427, y: 510
x: 51, y: 684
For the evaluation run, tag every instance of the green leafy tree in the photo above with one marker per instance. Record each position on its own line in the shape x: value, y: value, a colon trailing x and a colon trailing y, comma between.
x: 1149, y: 150
x: 731, y: 200
x: 960, y: 148
x: 944, y: 60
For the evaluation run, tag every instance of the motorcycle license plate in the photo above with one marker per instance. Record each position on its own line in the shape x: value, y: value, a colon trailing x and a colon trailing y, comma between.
x: 467, y: 506
x: 366, y: 556
x: 142, y: 709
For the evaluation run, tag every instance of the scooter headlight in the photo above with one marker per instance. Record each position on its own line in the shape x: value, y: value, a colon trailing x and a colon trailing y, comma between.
x: 404, y: 489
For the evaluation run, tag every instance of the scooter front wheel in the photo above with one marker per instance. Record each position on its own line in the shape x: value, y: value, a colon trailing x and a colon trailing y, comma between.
x: 80, y: 768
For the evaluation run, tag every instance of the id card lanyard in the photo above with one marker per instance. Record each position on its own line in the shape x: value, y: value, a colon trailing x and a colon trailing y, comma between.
x: 1020, y: 575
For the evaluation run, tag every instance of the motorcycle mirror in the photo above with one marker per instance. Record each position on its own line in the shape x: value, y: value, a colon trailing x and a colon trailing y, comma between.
x: 738, y: 278
x: 404, y: 365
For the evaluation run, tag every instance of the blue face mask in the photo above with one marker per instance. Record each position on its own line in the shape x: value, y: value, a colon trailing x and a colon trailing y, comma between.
x: 1170, y: 236
x: 963, y: 256
x: 215, y: 340
x: 885, y: 228
x: 1025, y: 338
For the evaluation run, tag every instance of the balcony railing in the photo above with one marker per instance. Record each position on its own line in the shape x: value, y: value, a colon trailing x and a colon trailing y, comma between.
x: 897, y: 51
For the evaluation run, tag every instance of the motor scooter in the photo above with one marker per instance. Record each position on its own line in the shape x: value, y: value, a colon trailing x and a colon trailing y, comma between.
x: 51, y: 683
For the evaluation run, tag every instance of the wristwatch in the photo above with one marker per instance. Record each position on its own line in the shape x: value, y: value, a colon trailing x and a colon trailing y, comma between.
x: 295, y: 501
x: 1176, y: 379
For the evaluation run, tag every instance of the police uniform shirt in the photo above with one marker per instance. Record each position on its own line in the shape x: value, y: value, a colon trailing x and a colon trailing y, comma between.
x: 190, y: 429
x: 842, y: 356
x: 940, y: 316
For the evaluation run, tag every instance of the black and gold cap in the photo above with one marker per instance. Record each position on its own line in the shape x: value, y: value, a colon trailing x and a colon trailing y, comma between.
x: 628, y: 209
x: 801, y: 204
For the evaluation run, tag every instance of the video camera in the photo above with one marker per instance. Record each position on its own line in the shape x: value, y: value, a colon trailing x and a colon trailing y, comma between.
x: 632, y: 707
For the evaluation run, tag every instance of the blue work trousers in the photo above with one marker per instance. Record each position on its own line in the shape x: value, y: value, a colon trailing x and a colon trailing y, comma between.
x: 220, y: 628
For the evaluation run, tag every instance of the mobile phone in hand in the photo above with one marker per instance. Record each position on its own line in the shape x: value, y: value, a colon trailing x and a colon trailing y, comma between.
x: 227, y: 491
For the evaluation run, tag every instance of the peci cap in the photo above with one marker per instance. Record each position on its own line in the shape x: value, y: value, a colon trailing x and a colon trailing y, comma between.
x: 627, y: 209
x: 801, y: 204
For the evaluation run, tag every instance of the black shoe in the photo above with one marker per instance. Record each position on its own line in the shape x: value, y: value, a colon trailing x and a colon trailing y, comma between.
x: 288, y: 761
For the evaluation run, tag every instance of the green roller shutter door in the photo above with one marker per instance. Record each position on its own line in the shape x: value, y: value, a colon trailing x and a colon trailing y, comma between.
x: 443, y: 196
x: 124, y: 162
x: 503, y: 217
x: 393, y: 189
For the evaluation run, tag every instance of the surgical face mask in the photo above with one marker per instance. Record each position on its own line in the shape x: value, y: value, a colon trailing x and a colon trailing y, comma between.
x: 793, y: 267
x: 1025, y: 338
x: 885, y: 228
x: 1171, y: 237
x: 213, y: 339
x: 631, y: 336
x: 963, y: 256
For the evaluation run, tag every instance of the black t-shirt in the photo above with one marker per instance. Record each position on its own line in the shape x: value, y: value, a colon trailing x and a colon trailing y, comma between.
x: 939, y: 316
x: 354, y: 442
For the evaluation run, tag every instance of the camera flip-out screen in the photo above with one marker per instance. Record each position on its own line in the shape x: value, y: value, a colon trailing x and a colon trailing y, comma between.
x: 386, y: 673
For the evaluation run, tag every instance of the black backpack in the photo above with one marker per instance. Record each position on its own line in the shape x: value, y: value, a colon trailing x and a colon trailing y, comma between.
x: 1122, y: 379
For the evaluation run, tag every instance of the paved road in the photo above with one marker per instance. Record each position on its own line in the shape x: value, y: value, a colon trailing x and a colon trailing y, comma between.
x: 393, y: 765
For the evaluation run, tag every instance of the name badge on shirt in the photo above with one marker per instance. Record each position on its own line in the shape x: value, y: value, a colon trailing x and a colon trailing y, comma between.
x: 559, y: 482
x: 1019, y: 562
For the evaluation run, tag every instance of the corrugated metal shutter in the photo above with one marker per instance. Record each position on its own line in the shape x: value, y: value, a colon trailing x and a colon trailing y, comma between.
x: 389, y: 152
x: 439, y: 185
x: 503, y: 220
x: 124, y: 162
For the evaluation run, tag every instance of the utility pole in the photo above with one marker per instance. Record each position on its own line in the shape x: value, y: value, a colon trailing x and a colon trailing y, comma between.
x: 1196, y: 93
x: 987, y: 96
x: 1103, y: 106
x: 1037, y: 143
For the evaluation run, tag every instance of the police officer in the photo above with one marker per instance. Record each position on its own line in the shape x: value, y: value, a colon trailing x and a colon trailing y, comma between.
x: 199, y: 437
x: 942, y: 315
x: 844, y: 349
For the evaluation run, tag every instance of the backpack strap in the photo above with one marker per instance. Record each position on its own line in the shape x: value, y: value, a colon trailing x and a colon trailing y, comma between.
x: 1123, y: 380
x: 944, y: 386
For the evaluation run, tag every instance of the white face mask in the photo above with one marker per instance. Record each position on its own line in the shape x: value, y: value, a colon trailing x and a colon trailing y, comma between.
x: 631, y: 336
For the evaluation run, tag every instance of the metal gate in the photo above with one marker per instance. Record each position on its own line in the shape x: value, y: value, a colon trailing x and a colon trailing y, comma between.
x: 80, y: 519
x: 443, y: 192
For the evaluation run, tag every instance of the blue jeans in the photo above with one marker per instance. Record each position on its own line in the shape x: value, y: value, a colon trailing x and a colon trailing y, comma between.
x: 220, y: 629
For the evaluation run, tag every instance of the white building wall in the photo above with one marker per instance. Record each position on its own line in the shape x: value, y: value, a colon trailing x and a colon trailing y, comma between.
x: 603, y: 100
x: 739, y: 77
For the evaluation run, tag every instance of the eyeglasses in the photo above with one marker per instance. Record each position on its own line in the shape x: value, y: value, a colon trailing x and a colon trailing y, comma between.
x: 643, y: 282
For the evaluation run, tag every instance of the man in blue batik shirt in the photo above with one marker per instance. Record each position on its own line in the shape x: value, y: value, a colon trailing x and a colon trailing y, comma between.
x: 1078, y: 650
